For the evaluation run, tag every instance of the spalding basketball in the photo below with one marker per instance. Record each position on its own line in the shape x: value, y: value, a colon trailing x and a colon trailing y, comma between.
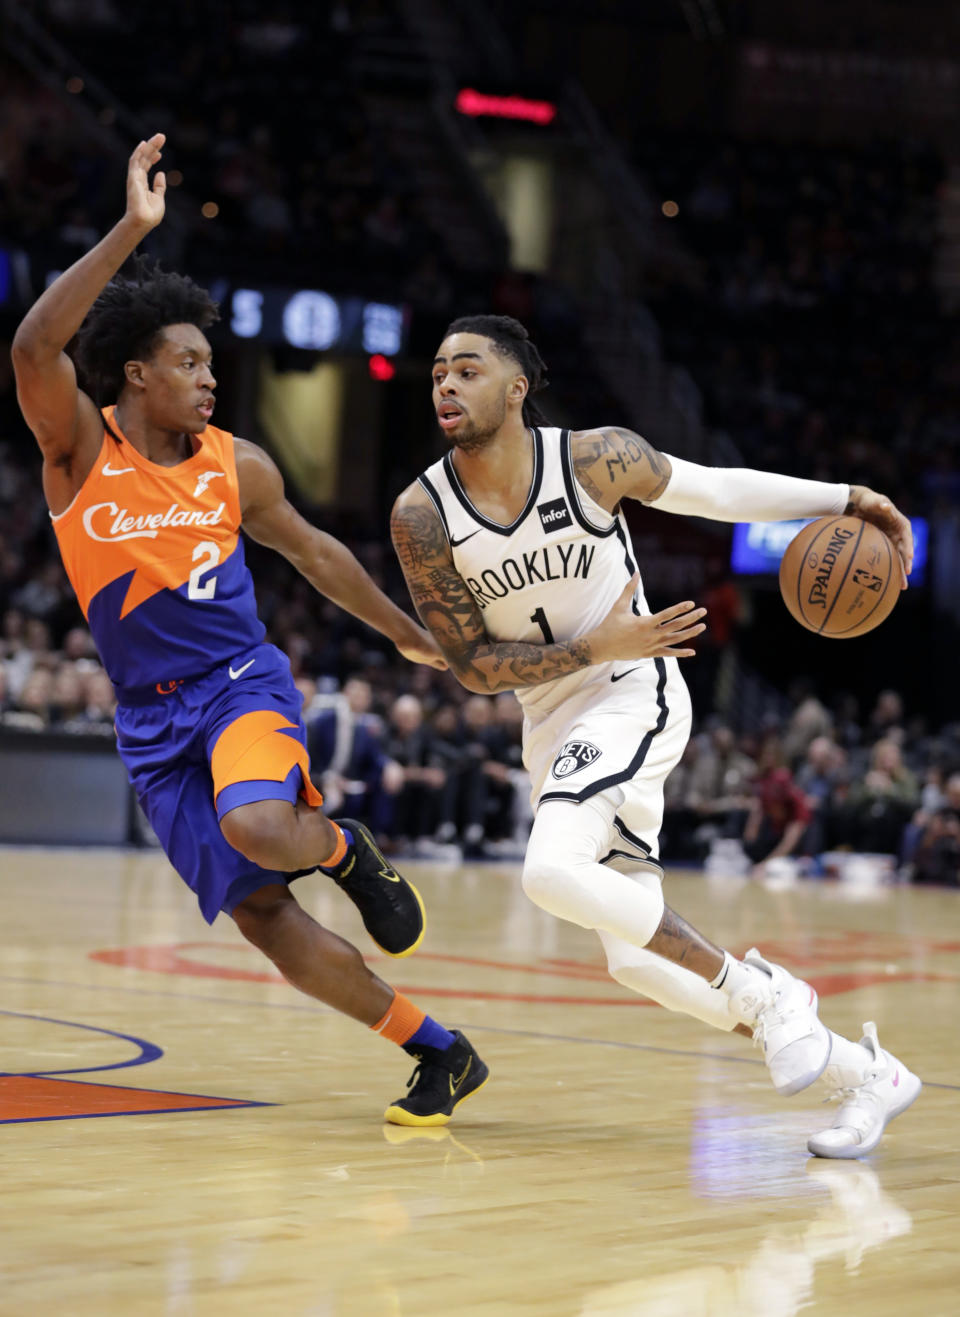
x: 840, y: 577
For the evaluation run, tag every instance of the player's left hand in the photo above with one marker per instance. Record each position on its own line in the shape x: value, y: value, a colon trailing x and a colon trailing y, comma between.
x: 871, y: 506
x: 422, y: 648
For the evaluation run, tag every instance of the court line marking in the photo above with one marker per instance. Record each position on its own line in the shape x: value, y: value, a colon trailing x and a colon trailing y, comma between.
x: 319, y: 1008
x: 148, y: 1051
x: 152, y: 1111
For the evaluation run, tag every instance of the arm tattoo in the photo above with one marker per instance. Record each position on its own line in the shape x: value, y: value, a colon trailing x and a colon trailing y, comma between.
x: 619, y: 458
x: 448, y: 610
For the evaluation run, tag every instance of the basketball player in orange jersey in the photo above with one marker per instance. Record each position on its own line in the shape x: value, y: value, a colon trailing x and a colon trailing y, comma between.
x: 147, y: 500
x: 518, y: 559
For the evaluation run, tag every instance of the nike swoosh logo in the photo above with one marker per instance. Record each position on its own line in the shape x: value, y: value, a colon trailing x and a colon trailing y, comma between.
x: 109, y: 470
x: 240, y: 671
x: 896, y: 1079
x: 454, y: 543
x: 615, y: 676
x: 456, y: 1082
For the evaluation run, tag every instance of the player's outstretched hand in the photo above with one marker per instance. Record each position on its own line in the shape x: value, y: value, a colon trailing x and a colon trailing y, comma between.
x: 145, y: 204
x: 421, y: 647
x: 871, y: 506
x: 624, y: 635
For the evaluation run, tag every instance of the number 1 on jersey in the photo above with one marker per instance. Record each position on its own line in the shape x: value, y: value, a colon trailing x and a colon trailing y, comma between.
x: 540, y: 618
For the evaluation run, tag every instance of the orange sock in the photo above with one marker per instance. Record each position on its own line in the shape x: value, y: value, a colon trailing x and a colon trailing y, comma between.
x: 339, y: 851
x: 401, y: 1021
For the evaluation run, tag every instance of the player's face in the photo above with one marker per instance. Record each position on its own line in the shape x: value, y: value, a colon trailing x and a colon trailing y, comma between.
x: 471, y: 387
x: 178, y: 380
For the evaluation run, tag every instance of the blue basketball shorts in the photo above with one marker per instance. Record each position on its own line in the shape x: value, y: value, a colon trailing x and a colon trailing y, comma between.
x: 194, y: 750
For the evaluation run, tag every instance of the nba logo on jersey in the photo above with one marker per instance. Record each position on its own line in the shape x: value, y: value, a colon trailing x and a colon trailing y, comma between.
x: 574, y: 756
x: 554, y: 514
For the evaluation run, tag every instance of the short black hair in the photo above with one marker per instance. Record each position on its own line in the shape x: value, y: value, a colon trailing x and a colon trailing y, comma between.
x: 127, y: 319
x: 510, y: 339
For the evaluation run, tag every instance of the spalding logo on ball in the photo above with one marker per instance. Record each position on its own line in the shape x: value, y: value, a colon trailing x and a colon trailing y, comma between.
x: 840, y: 577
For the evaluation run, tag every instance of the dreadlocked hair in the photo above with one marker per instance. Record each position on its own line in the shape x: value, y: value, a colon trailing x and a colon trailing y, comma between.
x: 126, y: 321
x: 510, y: 339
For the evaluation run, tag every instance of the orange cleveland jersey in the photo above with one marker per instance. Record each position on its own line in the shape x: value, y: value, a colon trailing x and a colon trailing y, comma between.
x: 156, y: 559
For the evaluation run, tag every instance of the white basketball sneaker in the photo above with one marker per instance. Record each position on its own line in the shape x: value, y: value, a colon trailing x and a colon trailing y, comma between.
x: 865, y: 1111
x: 782, y: 1011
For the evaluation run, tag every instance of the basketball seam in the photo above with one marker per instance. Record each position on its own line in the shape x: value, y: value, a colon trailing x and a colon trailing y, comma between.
x: 838, y: 635
x: 843, y: 579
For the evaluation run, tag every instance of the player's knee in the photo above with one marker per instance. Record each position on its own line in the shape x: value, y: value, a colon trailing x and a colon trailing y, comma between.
x: 542, y: 880
x: 261, y: 832
x: 262, y: 921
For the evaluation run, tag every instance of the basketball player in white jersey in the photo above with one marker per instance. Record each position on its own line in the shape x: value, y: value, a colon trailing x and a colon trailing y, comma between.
x: 519, y: 561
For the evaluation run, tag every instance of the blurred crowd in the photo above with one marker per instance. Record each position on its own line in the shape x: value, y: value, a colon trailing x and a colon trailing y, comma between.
x: 822, y: 785
x: 307, y: 166
x: 809, y: 316
x: 438, y: 771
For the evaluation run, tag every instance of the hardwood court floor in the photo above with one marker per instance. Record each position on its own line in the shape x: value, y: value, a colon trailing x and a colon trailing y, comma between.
x: 621, y: 1161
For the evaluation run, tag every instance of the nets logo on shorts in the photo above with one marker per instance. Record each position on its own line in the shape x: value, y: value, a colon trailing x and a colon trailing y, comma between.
x: 574, y: 756
x: 554, y: 514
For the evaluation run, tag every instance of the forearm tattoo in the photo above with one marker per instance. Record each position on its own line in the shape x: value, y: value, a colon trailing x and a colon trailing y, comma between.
x: 447, y: 608
x: 613, y: 457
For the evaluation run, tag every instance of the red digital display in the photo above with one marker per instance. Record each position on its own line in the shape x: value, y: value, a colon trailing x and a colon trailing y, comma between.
x: 478, y: 103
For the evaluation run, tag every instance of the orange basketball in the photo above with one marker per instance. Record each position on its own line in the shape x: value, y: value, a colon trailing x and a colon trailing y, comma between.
x: 840, y: 577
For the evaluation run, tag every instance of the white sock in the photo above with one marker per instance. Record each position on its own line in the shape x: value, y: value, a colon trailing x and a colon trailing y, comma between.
x: 848, y: 1064
x: 733, y: 975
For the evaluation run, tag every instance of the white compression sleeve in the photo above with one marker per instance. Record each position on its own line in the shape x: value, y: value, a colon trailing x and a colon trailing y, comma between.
x: 739, y: 494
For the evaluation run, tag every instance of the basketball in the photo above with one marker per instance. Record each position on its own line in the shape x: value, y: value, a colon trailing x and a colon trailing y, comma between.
x: 840, y: 577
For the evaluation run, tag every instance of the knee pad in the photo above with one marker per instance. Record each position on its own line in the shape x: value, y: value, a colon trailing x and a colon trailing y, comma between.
x: 562, y: 873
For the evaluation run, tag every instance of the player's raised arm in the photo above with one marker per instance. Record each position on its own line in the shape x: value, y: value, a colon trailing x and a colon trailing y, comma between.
x: 612, y: 463
x: 447, y: 608
x: 62, y: 417
x: 327, y: 564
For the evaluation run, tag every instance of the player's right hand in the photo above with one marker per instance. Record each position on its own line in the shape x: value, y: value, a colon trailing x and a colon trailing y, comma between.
x: 145, y: 204
x: 624, y: 635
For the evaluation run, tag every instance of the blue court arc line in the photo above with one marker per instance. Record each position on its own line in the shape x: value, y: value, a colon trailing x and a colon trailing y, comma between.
x: 147, y: 1051
x: 318, y: 1009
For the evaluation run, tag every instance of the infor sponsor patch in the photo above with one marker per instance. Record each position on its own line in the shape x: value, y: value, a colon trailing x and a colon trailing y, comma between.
x: 574, y: 756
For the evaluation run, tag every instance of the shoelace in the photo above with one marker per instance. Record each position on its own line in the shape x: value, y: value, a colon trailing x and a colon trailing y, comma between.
x: 857, y: 1106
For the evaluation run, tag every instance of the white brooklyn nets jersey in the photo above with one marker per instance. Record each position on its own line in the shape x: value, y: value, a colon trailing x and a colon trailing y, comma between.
x: 553, y: 575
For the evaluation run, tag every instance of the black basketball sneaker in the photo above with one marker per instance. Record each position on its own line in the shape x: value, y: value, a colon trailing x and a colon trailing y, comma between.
x: 440, y: 1082
x: 390, y: 907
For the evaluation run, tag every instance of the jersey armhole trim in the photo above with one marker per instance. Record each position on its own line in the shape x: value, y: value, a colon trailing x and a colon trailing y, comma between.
x: 572, y: 486
x: 437, y: 502
x: 57, y: 517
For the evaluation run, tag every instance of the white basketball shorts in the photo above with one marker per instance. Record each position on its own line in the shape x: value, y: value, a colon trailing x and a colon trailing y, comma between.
x: 622, y: 734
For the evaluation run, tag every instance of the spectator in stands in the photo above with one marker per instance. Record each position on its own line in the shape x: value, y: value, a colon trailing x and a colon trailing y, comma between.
x: 887, y: 714
x: 779, y: 815
x: 347, y: 757
x: 33, y: 708
x: 478, y: 797
x: 820, y: 777
x: 100, y: 703
x: 720, y: 788
x: 881, y: 803
x: 68, y: 694
x: 410, y: 745
x: 935, y: 851
x: 680, y: 819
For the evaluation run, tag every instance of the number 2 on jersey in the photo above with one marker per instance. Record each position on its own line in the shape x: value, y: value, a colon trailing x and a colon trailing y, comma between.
x: 540, y: 618
x: 205, y: 555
